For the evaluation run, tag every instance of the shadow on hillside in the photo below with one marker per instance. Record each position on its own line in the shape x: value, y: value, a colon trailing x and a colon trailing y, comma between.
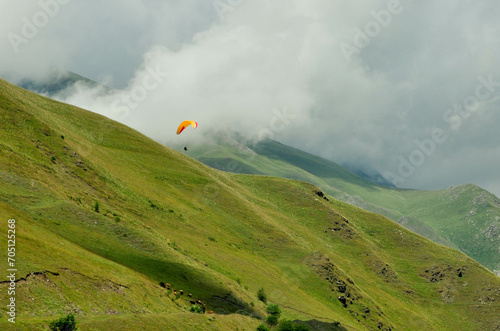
x: 190, y: 279
x: 231, y: 304
x: 315, y: 325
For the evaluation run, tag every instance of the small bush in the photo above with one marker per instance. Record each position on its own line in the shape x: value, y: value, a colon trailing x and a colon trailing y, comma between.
x: 262, y: 327
x: 273, y: 309
x: 64, y: 324
x: 96, y: 207
x: 286, y: 325
x: 261, y: 295
x: 300, y: 327
x: 272, y: 320
x: 196, y: 309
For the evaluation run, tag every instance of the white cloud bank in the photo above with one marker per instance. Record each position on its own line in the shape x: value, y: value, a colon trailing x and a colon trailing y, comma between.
x: 408, y: 88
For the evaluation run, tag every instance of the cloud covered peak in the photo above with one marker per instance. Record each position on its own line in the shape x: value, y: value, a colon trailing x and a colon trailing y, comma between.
x: 363, y: 84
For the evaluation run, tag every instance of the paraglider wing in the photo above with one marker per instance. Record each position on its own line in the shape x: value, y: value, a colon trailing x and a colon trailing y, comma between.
x: 185, y: 124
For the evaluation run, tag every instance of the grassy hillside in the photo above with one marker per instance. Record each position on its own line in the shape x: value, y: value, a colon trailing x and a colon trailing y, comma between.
x: 104, y: 214
x: 465, y: 217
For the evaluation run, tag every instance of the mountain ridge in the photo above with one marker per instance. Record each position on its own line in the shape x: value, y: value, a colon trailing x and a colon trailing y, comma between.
x: 464, y: 229
x: 105, y: 215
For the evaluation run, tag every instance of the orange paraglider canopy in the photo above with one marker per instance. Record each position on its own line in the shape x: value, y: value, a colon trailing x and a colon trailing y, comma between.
x: 185, y: 124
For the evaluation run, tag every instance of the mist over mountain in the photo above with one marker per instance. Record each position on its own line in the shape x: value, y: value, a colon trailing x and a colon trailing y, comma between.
x: 124, y: 233
x: 369, y: 174
x: 408, y: 89
x: 61, y: 85
x: 123, y: 224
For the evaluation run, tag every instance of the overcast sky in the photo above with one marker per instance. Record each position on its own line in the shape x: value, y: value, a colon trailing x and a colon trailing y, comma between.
x: 409, y: 88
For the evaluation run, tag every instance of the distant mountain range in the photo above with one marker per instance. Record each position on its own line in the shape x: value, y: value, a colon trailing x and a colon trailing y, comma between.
x: 127, y: 234
x: 464, y: 217
x: 57, y: 82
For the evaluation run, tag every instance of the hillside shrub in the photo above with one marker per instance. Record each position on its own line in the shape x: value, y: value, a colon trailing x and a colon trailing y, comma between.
x: 96, y: 207
x: 300, y: 327
x: 196, y: 309
x: 64, y: 324
x: 286, y: 325
x: 272, y: 320
x: 261, y: 295
x: 262, y: 327
x: 273, y: 309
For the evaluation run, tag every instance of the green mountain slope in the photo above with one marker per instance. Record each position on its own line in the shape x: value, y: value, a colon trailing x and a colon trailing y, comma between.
x: 103, y: 215
x: 465, y: 217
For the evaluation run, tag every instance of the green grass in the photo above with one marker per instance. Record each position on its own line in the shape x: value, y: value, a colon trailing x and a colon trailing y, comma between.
x: 464, y: 217
x: 218, y: 236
